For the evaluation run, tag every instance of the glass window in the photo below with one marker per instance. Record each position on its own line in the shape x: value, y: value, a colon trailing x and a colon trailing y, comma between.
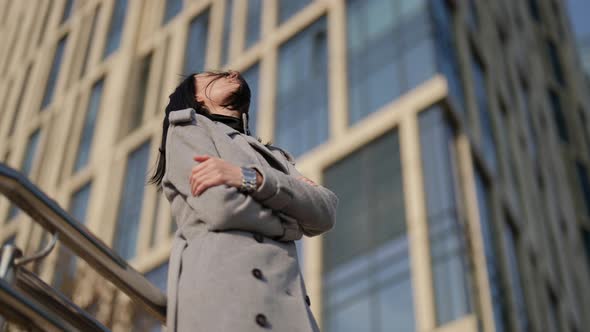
x: 448, y: 65
x: 584, y: 184
x: 116, y: 27
x: 510, y: 243
x: 65, y: 269
x: 486, y: 221
x: 553, y: 317
x: 488, y: 143
x: 253, y: 22
x: 227, y: 24
x: 384, y: 60
x: 173, y: 8
x: 302, y: 91
x: 367, y: 283
x: 252, y: 76
x: 68, y: 9
x: 288, y: 8
x: 534, y: 9
x: 555, y: 62
x: 143, y: 322
x: 137, y: 93
x: 448, y: 247
x: 558, y: 116
x: 54, y: 73
x: 127, y: 228
x: 27, y: 166
x: 196, y: 44
x: 19, y: 99
x: 89, y: 124
x: 90, y: 42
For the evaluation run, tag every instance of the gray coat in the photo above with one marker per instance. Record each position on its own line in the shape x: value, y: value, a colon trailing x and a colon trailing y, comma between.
x: 233, y: 265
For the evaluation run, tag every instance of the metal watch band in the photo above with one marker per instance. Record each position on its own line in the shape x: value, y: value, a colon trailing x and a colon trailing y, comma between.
x: 248, y: 179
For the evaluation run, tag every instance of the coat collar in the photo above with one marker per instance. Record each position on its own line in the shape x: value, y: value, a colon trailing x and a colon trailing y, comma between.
x: 271, y: 157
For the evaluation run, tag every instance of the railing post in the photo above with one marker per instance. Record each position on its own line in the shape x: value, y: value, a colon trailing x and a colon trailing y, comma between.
x: 8, y: 254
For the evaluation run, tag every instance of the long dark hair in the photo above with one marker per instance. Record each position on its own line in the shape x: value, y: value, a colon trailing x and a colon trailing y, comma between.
x: 184, y: 97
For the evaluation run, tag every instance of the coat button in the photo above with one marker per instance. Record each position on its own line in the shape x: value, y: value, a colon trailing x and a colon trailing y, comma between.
x: 261, y: 320
x: 258, y: 237
x: 307, y: 300
x: 257, y: 273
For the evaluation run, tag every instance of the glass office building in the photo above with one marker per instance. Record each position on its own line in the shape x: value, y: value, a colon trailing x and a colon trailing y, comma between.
x: 455, y: 133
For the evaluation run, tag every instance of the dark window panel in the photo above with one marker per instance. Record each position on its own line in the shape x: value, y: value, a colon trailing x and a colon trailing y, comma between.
x: 196, y: 44
x: 366, y: 282
x: 534, y: 10
x: 87, y: 137
x: 302, y: 90
x: 253, y: 22
x: 27, y: 166
x: 447, y: 57
x: 511, y: 241
x: 488, y: 141
x: 68, y: 9
x: 555, y: 62
x: 227, y: 25
x: 447, y: 234
x: 584, y: 181
x: 288, y: 8
x: 127, y: 229
x: 173, y: 8
x: 558, y: 115
x: 252, y: 76
x: 115, y: 32
x: 490, y: 245
x: 138, y: 92
x: 54, y: 73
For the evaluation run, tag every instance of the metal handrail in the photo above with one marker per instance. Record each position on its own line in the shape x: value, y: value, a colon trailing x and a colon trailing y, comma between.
x: 46, y: 212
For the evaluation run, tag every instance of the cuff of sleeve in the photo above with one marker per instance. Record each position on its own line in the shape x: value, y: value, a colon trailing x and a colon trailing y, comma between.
x: 270, y: 192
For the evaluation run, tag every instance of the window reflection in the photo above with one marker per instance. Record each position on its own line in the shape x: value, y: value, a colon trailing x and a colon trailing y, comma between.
x: 366, y: 282
x: 54, y: 73
x: 384, y: 60
x: 89, y: 125
x: 446, y: 232
x: 127, y: 228
x: 196, y: 44
x: 116, y: 27
x: 302, y: 92
x: 252, y: 76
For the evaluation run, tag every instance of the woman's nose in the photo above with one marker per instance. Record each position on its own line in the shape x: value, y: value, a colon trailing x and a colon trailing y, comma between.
x: 233, y: 74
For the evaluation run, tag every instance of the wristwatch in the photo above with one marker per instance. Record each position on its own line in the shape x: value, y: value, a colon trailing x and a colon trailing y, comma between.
x: 248, y: 179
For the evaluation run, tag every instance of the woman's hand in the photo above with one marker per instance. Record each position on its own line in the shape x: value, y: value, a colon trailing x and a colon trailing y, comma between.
x: 212, y: 171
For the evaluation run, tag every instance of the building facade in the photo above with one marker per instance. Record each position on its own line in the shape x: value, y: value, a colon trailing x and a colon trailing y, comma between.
x: 455, y: 133
x: 581, y: 30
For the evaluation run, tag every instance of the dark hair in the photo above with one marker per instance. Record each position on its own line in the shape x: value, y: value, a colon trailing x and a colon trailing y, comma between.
x: 184, y: 97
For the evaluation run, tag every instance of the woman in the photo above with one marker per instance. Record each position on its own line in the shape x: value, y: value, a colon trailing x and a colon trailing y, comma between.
x: 239, y: 206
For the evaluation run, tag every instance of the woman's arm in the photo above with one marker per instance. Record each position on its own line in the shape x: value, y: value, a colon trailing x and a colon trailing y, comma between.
x: 220, y: 207
x: 313, y: 206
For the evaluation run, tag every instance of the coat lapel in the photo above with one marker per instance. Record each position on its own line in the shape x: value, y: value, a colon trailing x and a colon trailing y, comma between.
x: 264, y: 151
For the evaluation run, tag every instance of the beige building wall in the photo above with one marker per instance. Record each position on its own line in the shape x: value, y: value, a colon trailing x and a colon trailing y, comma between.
x: 549, y: 213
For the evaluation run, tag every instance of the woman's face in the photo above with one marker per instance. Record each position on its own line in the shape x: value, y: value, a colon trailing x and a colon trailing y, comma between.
x: 216, y: 89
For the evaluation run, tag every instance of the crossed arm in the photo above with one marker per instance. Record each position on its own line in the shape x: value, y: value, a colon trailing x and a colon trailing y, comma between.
x: 283, y: 207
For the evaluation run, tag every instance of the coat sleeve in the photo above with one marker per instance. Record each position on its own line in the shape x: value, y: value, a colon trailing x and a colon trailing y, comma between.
x: 313, y: 207
x: 220, y: 207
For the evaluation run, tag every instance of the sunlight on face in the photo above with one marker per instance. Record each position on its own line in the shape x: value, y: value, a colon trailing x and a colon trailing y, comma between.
x: 214, y: 89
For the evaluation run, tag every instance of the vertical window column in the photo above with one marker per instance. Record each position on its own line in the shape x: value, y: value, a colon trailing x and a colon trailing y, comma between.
x: 54, y: 73
x: 115, y: 32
